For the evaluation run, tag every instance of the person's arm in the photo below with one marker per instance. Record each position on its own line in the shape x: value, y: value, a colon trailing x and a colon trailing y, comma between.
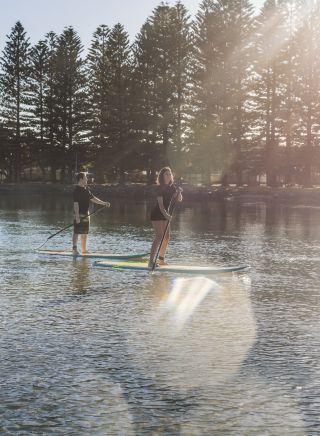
x: 98, y: 201
x: 76, y: 212
x: 162, y: 209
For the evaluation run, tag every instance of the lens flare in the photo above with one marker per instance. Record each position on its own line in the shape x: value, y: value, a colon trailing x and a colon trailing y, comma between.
x: 185, y: 297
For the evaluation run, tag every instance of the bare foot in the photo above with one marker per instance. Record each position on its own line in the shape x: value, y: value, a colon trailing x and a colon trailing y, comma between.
x: 163, y: 262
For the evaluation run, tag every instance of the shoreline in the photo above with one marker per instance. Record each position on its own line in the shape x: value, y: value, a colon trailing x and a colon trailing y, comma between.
x: 141, y: 191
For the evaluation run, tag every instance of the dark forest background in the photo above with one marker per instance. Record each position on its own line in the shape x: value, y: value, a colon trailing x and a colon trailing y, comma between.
x: 230, y: 93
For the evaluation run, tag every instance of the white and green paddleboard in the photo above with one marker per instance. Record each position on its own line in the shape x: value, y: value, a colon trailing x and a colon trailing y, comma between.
x: 93, y: 254
x: 185, y: 269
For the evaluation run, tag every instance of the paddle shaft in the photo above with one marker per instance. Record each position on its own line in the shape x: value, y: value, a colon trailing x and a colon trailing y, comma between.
x: 70, y: 225
x: 172, y: 203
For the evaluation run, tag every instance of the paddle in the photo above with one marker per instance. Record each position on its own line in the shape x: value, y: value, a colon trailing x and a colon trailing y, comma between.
x: 70, y: 225
x: 172, y: 206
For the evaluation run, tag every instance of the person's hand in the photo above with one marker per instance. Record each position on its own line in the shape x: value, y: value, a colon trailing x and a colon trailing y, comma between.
x: 107, y: 204
x: 179, y: 189
x: 168, y: 217
x: 78, y: 220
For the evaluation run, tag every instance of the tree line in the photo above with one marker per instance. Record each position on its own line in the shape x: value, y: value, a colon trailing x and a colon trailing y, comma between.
x: 230, y: 91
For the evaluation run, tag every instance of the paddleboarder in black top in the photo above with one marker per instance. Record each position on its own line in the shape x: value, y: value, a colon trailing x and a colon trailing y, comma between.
x: 81, y: 202
x: 160, y: 214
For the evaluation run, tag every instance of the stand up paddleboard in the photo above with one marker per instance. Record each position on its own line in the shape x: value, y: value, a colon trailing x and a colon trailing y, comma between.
x: 93, y: 255
x: 185, y: 269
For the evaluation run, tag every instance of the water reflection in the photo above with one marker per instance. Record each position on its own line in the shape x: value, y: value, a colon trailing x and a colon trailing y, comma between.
x: 80, y: 279
x: 205, y: 345
x: 95, y: 351
x: 185, y: 296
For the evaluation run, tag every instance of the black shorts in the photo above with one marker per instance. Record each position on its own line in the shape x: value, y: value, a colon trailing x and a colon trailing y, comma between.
x: 157, y: 215
x: 83, y: 227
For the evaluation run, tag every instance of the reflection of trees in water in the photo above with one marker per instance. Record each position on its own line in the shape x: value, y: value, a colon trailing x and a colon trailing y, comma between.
x: 291, y: 221
x: 205, y: 216
x: 222, y: 217
x: 50, y: 202
x: 147, y: 376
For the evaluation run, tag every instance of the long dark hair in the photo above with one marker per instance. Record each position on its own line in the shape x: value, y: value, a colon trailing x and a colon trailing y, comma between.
x: 160, y: 178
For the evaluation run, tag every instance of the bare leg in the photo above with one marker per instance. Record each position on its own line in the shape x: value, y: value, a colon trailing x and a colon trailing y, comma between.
x: 74, y: 243
x: 158, y: 228
x: 84, y: 243
x: 164, y: 245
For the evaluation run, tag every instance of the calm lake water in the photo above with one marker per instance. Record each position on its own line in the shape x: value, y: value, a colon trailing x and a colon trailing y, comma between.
x: 90, y: 351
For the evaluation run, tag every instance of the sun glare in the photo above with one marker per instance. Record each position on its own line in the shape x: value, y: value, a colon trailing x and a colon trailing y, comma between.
x: 186, y: 295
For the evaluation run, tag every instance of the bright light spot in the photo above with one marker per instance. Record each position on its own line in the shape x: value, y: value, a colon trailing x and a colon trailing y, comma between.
x: 185, y: 297
x: 196, y: 333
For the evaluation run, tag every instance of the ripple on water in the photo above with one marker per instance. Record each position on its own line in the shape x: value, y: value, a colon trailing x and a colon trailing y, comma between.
x: 85, y: 350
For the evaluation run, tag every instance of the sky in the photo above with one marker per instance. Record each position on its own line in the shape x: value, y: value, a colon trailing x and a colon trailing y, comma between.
x: 41, y: 16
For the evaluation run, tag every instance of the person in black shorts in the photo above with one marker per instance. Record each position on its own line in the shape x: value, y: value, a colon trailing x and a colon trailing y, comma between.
x: 81, y: 202
x: 160, y: 214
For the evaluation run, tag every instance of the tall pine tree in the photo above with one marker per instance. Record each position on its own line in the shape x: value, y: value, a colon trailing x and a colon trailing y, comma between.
x: 70, y: 103
x: 98, y: 66
x: 14, y: 84
x: 143, y: 88
x: 161, y: 76
x: 119, y: 112
x: 308, y: 54
x: 269, y: 91
x: 182, y: 51
x: 39, y: 57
